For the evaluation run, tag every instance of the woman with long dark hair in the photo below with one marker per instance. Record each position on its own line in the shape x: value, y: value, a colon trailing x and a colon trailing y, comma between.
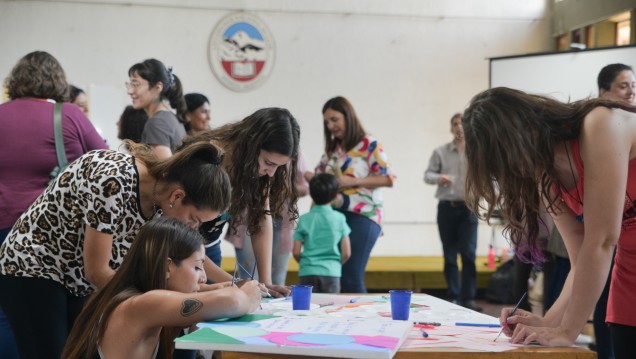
x: 579, y: 161
x: 262, y: 151
x: 153, y: 295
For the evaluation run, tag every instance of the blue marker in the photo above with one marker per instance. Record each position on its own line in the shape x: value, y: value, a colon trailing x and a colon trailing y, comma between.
x: 424, y: 333
x: 354, y: 299
x: 485, y: 325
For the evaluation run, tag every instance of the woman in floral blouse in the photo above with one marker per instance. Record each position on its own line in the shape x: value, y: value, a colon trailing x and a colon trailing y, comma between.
x: 360, y: 164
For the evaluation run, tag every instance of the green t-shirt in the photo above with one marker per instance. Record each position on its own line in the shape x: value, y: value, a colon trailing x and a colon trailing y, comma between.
x: 320, y: 231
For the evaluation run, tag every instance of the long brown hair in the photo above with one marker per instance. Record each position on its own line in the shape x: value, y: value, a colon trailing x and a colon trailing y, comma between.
x: 270, y: 129
x: 143, y: 269
x: 354, y: 132
x: 510, y: 137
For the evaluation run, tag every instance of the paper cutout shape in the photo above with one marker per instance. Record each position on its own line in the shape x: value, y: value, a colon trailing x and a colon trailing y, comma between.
x: 207, y: 335
x: 240, y: 331
x: 322, y: 339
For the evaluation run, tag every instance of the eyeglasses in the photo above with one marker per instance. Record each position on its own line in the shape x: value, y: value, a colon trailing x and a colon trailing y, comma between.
x: 135, y: 85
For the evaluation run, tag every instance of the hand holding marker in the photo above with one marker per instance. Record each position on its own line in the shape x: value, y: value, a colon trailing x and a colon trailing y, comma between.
x: 512, y: 313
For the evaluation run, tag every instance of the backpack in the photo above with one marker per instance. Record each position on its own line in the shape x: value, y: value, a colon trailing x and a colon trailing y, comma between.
x: 501, y: 284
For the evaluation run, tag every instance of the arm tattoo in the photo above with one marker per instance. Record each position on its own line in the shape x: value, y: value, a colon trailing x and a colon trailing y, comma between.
x: 190, y: 306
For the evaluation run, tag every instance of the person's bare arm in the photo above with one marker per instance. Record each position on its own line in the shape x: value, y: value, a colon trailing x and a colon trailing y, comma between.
x: 98, y: 247
x: 345, y: 249
x: 262, y: 243
x: 214, y: 272
x: 367, y: 182
x: 164, y: 308
x: 606, y: 141
x: 162, y: 152
x: 296, y: 250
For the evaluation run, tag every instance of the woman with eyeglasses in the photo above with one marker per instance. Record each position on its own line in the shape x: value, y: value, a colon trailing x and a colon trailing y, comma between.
x: 261, y: 162
x: 151, y: 83
x: 72, y: 239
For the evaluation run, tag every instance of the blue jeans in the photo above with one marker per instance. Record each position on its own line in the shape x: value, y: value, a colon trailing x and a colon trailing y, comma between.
x: 458, y: 230
x: 214, y: 253
x: 8, y: 348
x: 364, y: 234
x: 280, y: 258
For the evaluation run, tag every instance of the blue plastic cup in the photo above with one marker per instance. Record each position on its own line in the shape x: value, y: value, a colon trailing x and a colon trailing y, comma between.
x: 400, y: 304
x: 301, y: 296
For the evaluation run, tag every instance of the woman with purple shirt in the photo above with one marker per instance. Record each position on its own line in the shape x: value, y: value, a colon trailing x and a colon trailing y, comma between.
x: 34, y: 85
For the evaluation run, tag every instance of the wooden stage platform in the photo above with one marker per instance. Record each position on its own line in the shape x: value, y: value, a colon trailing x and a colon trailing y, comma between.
x: 415, y: 273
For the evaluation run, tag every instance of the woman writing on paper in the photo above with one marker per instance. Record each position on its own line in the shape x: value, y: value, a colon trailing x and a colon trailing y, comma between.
x: 153, y: 295
x: 579, y: 160
x: 262, y: 151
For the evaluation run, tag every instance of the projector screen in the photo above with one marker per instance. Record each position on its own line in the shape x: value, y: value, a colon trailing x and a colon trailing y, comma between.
x: 566, y: 76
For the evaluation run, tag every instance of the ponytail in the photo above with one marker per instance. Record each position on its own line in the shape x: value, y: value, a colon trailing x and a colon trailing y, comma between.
x: 174, y: 94
x: 197, y: 168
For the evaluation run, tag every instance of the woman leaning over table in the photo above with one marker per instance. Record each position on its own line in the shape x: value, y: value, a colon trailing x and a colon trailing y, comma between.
x: 360, y: 164
x: 70, y: 241
x: 579, y: 160
x: 35, y: 84
x: 262, y: 151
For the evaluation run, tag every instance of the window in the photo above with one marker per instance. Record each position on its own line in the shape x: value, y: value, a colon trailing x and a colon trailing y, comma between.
x: 622, y: 32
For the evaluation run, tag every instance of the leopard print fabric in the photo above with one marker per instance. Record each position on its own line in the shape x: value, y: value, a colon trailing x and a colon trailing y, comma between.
x: 99, y: 189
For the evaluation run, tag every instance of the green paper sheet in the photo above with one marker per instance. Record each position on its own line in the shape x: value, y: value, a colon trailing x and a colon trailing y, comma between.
x: 207, y: 335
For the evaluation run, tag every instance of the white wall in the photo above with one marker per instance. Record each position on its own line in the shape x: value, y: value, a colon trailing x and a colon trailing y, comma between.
x: 406, y: 65
x: 566, y: 76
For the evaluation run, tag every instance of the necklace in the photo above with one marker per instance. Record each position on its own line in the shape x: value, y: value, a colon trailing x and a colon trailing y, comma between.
x: 576, y: 186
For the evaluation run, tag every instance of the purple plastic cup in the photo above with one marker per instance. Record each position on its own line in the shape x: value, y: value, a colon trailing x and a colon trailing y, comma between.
x: 301, y: 297
x: 400, y: 304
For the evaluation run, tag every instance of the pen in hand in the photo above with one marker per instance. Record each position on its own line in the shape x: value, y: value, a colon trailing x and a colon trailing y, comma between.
x: 512, y: 313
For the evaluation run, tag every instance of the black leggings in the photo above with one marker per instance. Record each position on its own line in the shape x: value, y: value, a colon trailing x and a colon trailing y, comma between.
x: 41, y: 313
x: 623, y: 339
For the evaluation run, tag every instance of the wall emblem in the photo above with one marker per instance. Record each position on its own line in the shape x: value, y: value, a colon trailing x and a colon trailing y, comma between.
x: 241, y: 51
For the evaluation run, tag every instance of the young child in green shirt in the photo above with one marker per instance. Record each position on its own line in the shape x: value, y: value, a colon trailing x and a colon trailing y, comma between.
x: 321, y: 241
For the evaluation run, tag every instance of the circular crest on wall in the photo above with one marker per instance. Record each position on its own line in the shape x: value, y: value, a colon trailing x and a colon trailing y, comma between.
x: 241, y: 51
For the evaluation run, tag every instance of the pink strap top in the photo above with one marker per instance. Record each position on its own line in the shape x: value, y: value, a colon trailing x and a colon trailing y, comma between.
x: 572, y: 200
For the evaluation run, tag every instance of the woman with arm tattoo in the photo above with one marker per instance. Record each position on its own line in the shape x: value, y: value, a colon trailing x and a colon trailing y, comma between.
x: 155, y: 293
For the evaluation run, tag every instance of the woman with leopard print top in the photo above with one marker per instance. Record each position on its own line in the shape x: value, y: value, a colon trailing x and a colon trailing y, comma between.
x: 70, y: 241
